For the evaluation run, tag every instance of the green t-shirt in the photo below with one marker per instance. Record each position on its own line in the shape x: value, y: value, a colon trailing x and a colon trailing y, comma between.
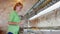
x: 13, y: 17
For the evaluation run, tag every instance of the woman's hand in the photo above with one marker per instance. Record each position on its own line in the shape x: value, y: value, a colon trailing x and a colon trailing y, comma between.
x: 21, y: 24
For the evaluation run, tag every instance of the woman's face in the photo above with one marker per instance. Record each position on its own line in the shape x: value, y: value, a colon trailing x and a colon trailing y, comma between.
x: 18, y: 8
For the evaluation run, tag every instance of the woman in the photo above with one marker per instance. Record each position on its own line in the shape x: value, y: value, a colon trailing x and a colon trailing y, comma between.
x: 14, y: 19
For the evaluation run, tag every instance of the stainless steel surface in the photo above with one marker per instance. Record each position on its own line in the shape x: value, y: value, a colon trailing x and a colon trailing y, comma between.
x: 30, y: 31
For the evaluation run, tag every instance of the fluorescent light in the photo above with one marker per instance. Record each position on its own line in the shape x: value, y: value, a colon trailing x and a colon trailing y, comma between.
x: 49, y: 9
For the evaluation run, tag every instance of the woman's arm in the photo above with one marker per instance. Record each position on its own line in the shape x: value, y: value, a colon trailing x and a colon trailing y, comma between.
x: 12, y: 23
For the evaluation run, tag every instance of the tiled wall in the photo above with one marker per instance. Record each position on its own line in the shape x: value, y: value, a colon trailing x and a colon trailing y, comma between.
x: 6, y: 6
x: 5, y: 9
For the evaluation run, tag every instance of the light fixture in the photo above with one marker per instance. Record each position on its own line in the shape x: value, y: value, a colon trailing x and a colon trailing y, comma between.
x: 22, y: 1
x: 18, y: 0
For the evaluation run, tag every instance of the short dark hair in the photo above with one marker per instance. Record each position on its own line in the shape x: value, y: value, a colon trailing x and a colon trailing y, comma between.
x: 18, y: 4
